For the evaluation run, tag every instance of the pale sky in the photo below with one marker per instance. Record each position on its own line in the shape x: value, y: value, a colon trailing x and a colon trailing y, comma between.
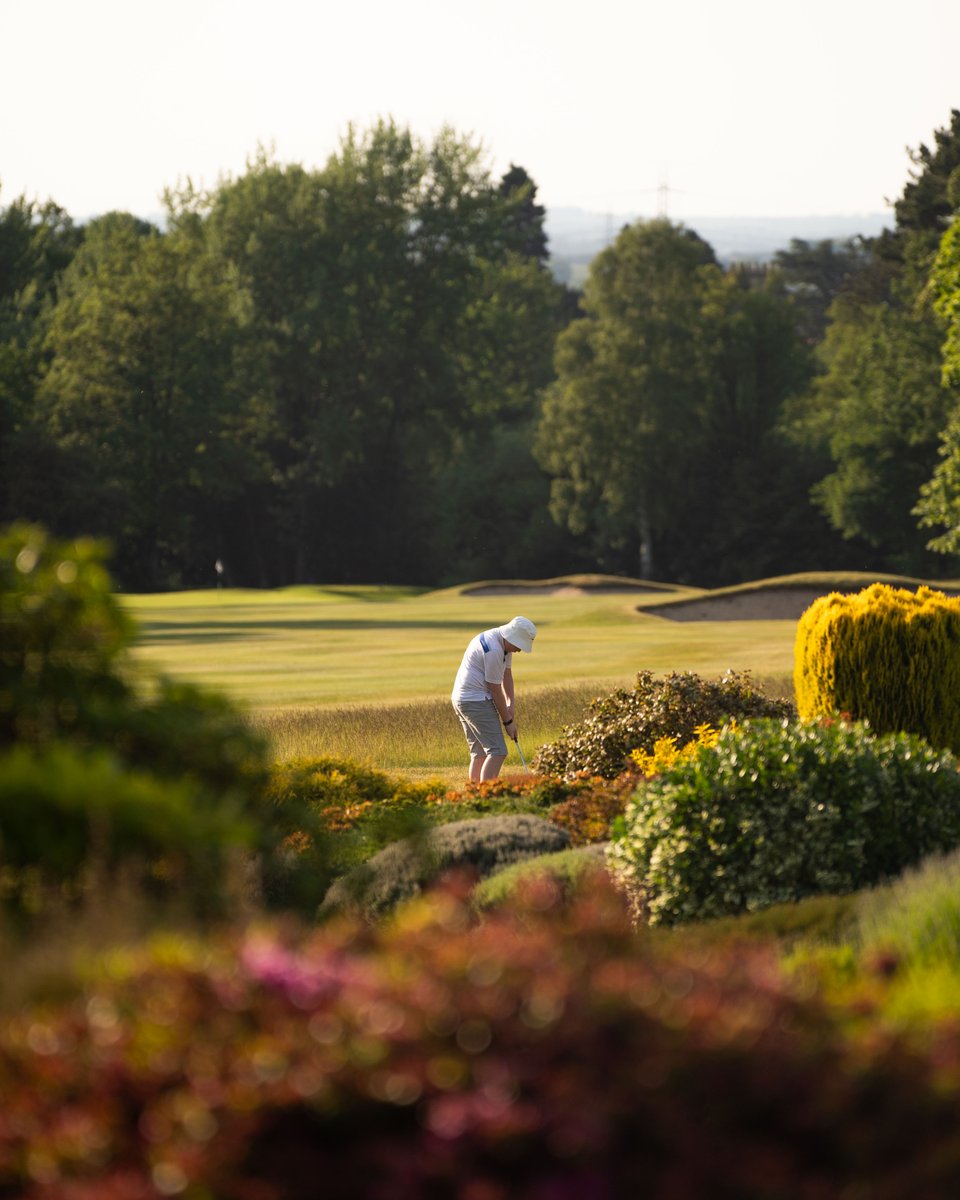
x: 743, y: 107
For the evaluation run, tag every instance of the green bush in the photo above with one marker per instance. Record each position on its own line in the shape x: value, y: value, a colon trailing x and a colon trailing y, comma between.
x: 62, y: 634
x: 780, y: 810
x: 65, y: 674
x: 884, y: 655
x: 654, y: 709
x: 65, y: 812
x: 67, y: 681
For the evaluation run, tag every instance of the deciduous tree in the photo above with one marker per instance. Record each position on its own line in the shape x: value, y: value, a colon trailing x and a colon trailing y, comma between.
x: 620, y: 422
x: 662, y: 419
x: 138, y: 395
x: 394, y: 312
x: 880, y: 405
x: 37, y: 241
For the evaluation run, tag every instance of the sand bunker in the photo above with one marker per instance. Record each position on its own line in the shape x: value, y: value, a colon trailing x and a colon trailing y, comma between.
x: 768, y: 604
x: 764, y: 604
x: 564, y: 589
x: 786, y: 603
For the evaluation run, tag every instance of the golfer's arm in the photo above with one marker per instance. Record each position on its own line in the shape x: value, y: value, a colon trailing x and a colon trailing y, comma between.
x: 508, y: 687
x: 499, y: 694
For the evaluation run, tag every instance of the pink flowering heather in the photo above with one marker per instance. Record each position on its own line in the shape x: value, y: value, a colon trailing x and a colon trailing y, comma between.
x: 546, y: 1053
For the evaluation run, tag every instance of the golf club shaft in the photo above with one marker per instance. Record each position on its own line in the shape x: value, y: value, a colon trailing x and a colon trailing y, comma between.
x: 520, y: 752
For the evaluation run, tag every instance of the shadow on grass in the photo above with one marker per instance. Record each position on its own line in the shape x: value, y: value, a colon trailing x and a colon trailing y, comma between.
x: 213, y: 628
x: 200, y: 635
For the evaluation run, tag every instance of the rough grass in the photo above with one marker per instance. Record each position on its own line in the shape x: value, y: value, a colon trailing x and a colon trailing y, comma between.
x: 418, y: 740
x: 917, y: 917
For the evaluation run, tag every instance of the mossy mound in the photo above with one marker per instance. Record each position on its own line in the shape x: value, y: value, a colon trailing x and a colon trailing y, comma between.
x: 565, y: 868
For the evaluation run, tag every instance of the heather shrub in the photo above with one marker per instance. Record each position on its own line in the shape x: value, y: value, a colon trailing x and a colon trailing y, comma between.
x: 345, y: 796
x: 544, y: 1051
x: 366, y: 809
x: 337, y: 785
x: 884, y: 655
x: 589, y: 813
x: 404, y: 868
x: 335, y: 815
x: 672, y: 707
x: 518, y: 793
x: 780, y: 810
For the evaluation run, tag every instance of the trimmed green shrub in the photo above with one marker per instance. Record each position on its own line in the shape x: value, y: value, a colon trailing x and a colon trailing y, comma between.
x: 545, y: 1052
x: 656, y: 708
x: 781, y: 810
x: 884, y: 655
x: 404, y: 868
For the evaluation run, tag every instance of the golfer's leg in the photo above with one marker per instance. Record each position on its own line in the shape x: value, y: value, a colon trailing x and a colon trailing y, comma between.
x: 481, y: 727
x: 491, y: 766
x: 477, y: 752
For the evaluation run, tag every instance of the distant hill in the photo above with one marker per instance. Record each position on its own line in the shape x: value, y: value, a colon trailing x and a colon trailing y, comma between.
x: 576, y: 235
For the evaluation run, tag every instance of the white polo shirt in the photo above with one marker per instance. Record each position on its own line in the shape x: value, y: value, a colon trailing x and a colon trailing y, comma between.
x: 484, y: 662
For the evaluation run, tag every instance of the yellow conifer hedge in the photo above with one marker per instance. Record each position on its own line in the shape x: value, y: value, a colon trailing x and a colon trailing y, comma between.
x: 886, y: 655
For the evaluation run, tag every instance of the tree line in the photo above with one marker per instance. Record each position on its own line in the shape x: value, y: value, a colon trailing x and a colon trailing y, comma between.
x: 367, y: 372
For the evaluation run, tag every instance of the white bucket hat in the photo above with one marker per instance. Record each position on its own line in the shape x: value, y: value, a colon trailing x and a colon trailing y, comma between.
x: 520, y: 632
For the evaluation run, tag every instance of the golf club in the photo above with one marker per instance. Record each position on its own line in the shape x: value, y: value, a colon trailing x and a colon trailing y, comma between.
x: 520, y: 752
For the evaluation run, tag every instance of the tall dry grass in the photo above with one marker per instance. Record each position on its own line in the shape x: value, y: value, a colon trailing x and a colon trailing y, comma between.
x: 421, y: 739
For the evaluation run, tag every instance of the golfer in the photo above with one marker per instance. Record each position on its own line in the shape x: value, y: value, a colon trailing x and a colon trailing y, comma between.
x: 483, y: 695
